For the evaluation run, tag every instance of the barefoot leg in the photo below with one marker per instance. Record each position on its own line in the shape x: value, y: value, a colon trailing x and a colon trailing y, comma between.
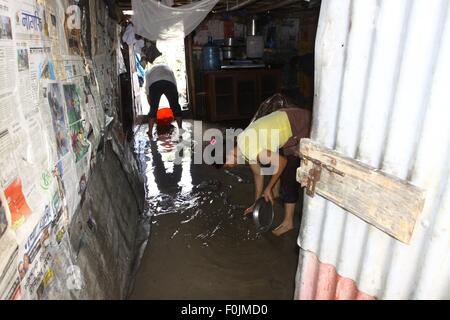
x: 276, y: 190
x: 288, y: 222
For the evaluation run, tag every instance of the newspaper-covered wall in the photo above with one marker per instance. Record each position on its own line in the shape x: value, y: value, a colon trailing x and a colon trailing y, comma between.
x: 58, y: 87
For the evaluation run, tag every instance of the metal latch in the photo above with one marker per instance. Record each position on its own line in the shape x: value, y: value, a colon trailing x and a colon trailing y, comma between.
x: 310, y: 181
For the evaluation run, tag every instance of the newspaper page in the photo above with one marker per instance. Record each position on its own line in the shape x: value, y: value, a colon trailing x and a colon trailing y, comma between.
x: 7, y: 49
x: 9, y: 277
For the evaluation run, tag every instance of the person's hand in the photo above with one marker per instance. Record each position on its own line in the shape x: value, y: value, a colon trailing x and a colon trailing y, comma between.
x: 268, y: 195
x: 250, y: 210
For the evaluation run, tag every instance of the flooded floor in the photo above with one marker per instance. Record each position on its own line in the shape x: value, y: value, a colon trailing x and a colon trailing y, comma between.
x: 201, y: 245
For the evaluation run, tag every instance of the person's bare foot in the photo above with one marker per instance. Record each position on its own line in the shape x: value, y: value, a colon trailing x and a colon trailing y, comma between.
x: 282, y: 229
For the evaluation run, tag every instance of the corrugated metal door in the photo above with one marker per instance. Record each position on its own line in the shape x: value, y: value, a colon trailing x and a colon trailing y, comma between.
x: 382, y: 97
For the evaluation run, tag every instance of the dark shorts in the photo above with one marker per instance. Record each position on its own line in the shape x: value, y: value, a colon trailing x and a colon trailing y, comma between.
x: 300, y: 120
x: 168, y: 89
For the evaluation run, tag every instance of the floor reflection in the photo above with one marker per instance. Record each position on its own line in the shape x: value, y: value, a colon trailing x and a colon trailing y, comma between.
x: 201, y: 245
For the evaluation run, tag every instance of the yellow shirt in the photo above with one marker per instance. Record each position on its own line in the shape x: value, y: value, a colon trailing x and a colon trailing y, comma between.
x: 267, y: 133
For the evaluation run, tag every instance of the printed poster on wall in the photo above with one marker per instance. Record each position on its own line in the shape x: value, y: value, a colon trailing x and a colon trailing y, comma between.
x: 59, y: 207
x: 72, y: 98
x: 34, y: 65
x: 55, y: 100
x: 80, y: 143
x: 43, y: 63
x: 82, y: 76
x: 77, y: 132
x: 17, y: 204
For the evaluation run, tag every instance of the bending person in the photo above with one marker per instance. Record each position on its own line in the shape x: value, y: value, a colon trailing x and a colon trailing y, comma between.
x: 272, y: 142
x: 160, y: 80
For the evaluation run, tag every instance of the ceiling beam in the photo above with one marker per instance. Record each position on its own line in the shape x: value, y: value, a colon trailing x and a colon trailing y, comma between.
x: 238, y: 6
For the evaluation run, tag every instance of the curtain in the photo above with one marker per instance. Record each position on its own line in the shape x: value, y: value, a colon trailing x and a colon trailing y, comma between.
x: 156, y: 21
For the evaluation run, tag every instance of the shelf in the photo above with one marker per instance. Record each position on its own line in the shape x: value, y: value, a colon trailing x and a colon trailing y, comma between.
x: 250, y: 88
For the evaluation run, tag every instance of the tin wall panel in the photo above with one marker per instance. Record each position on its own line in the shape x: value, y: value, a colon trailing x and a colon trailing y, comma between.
x: 382, y: 97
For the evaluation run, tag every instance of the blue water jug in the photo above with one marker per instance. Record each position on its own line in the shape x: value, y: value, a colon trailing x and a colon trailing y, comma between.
x: 210, y: 56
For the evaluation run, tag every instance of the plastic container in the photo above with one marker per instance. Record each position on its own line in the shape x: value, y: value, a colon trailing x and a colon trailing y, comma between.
x: 255, y: 47
x: 211, y: 56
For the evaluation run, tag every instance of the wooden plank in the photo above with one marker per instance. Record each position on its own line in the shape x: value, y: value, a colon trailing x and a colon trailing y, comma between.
x: 386, y: 202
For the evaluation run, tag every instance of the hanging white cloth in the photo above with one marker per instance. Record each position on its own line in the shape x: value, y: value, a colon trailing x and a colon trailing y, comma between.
x: 156, y: 21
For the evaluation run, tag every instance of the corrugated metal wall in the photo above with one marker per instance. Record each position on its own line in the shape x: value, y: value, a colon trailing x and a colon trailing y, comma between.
x: 383, y: 97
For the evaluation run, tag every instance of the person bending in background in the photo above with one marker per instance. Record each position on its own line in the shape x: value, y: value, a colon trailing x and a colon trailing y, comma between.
x: 260, y: 148
x: 160, y: 80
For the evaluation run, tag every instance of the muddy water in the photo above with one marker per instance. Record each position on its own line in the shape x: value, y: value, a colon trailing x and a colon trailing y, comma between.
x: 201, y: 245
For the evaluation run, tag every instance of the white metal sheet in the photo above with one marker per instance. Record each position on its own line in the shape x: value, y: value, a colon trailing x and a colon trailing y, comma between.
x: 382, y: 97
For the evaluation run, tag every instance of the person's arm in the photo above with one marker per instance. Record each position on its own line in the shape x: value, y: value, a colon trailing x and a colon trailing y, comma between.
x: 278, y: 164
x: 259, y: 185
